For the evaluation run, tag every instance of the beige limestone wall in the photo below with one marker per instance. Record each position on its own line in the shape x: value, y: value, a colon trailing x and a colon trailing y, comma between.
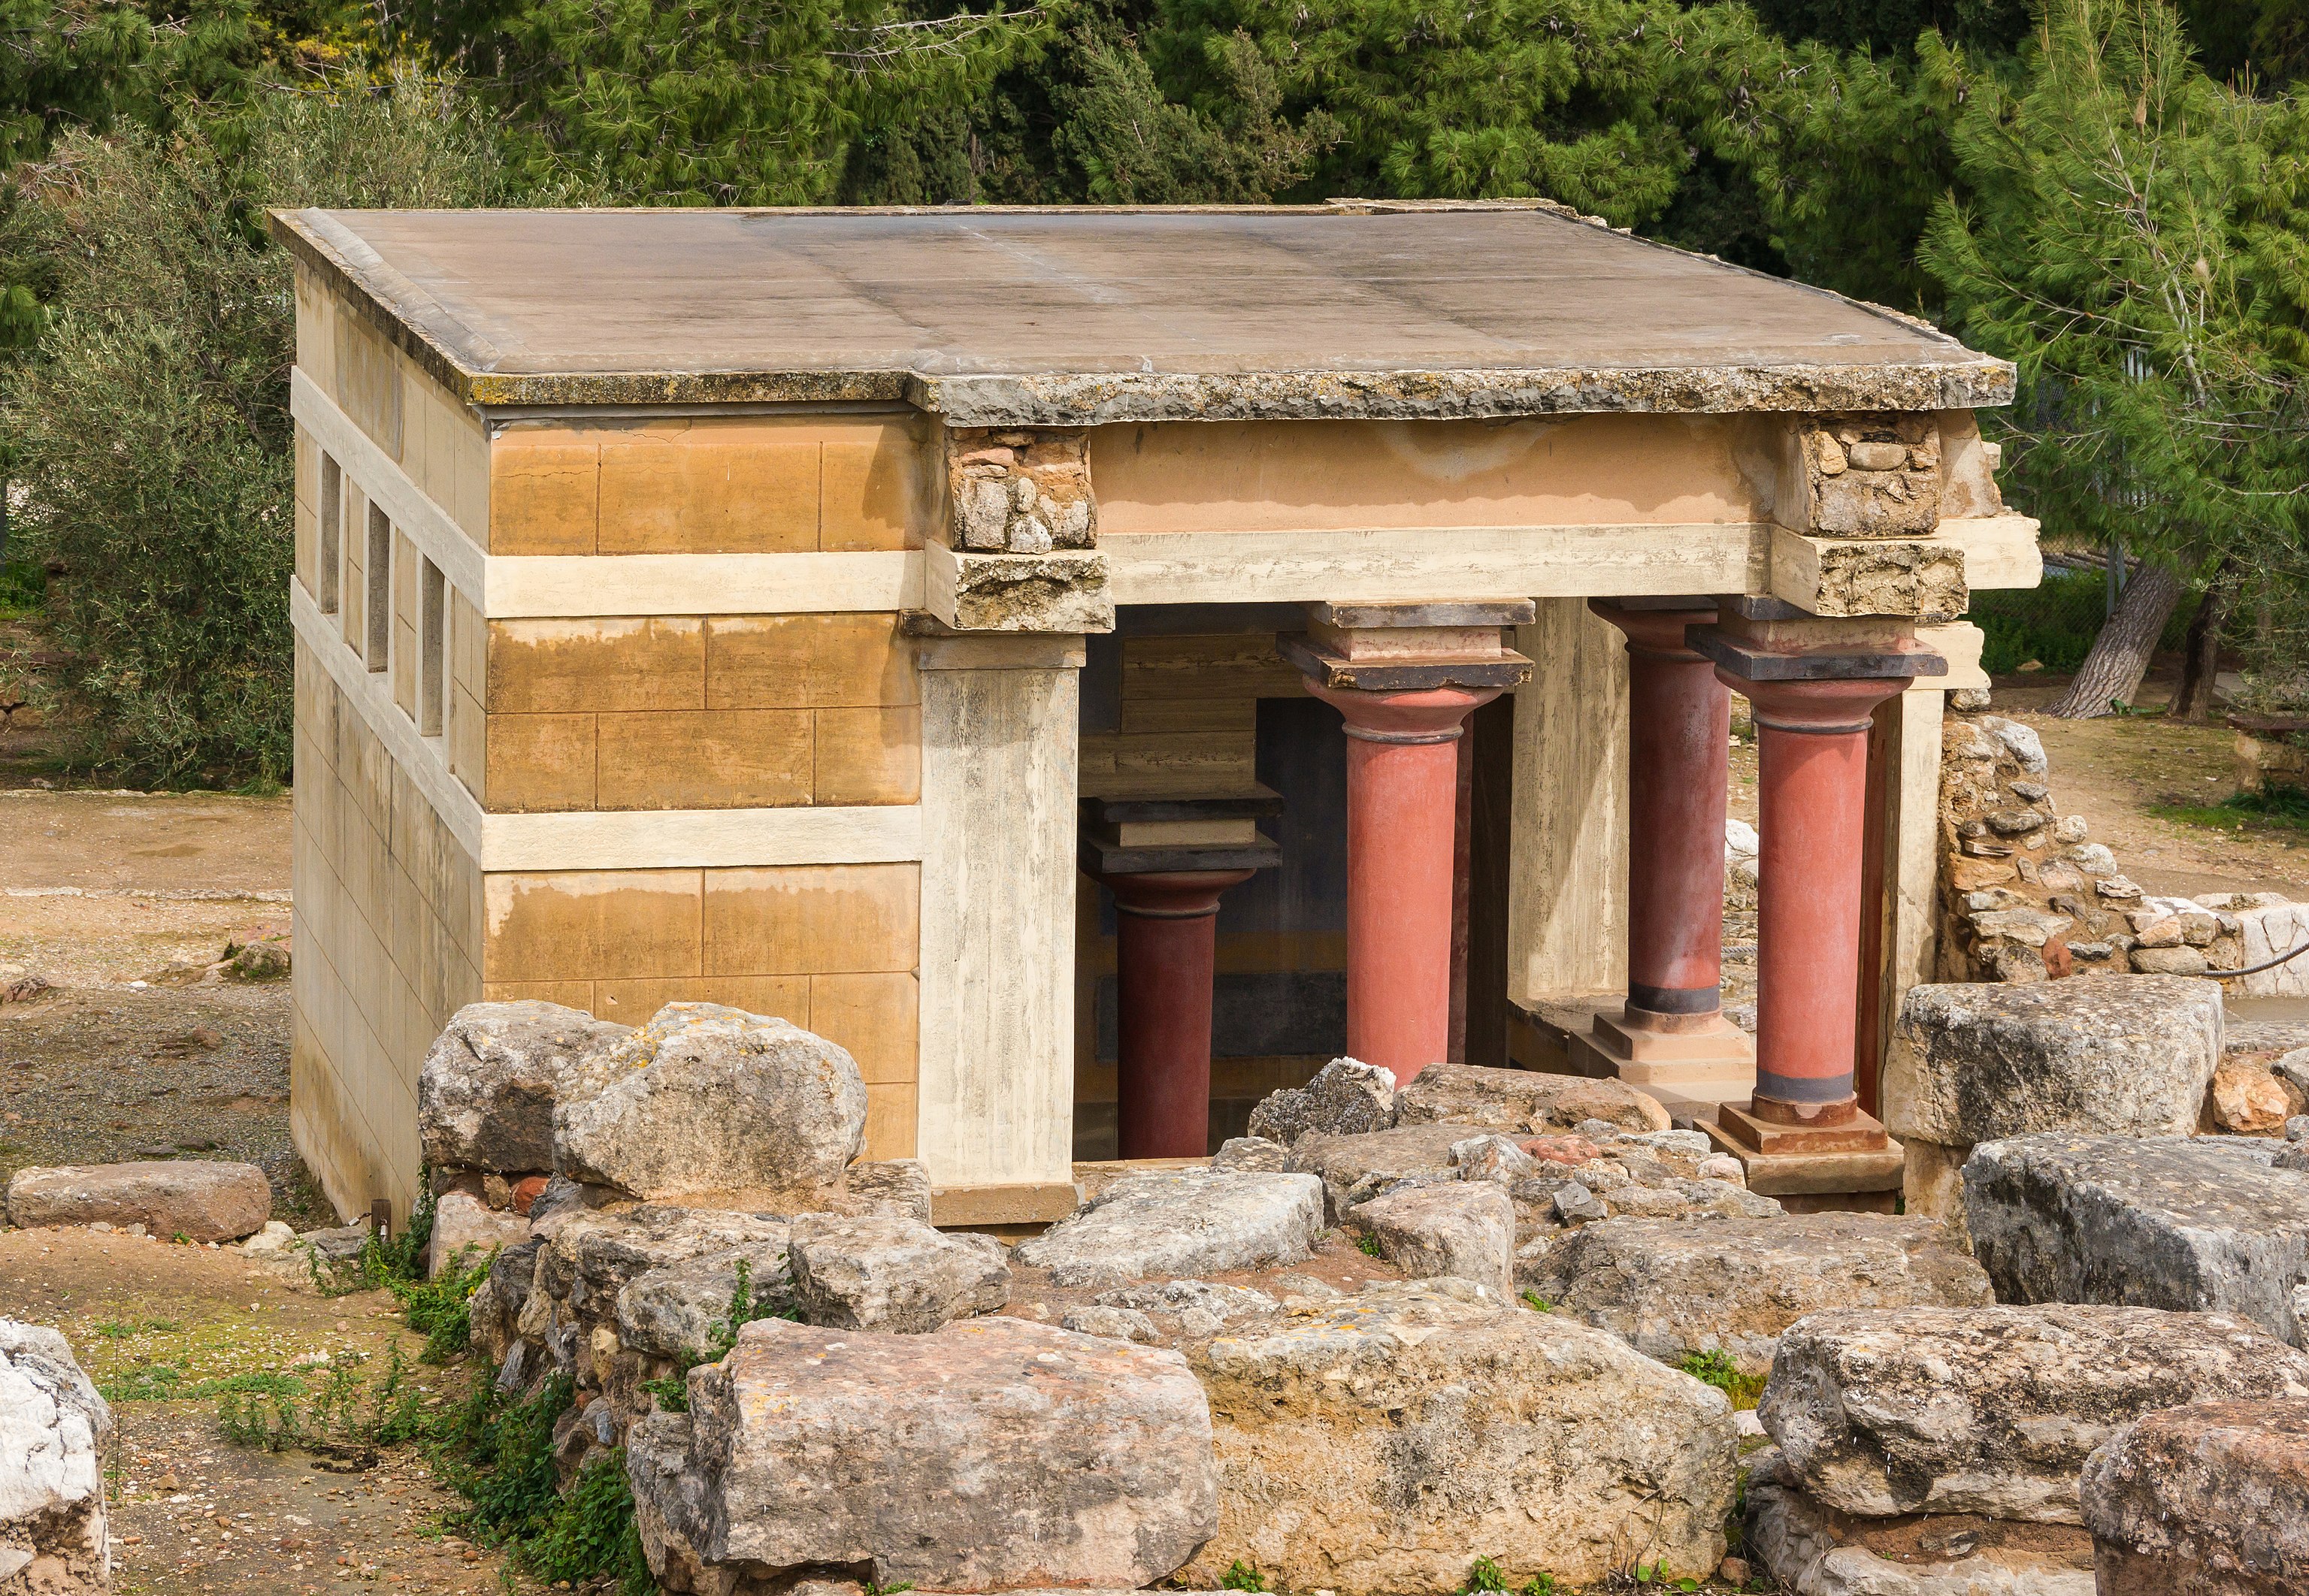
x: 389, y: 944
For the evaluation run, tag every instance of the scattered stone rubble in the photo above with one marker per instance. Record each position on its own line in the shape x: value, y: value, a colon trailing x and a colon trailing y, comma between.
x: 1971, y: 1063
x: 2211, y: 1497
x: 1927, y: 1450
x: 1187, y: 1222
x: 2206, y: 1222
x: 887, y: 1271
x: 53, y: 1430
x: 194, y: 1198
x: 1374, y: 1442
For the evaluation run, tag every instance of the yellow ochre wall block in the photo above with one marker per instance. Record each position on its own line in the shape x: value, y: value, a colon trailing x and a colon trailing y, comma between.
x: 697, y: 712
x: 830, y: 948
x: 388, y: 923
x: 721, y: 485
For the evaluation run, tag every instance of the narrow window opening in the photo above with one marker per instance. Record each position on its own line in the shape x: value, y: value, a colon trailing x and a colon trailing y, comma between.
x: 329, y: 577
x: 432, y: 647
x: 379, y: 577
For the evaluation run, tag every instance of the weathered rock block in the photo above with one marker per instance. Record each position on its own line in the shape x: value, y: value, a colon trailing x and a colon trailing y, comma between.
x: 1372, y: 1443
x: 1993, y: 1411
x: 686, y: 1307
x: 898, y: 1185
x: 485, y: 1097
x: 2123, y: 1055
x: 1462, y: 1229
x: 1189, y: 1222
x: 53, y: 1428
x: 1669, y: 1288
x: 2189, y: 1223
x: 706, y: 1099
x: 2212, y: 1499
x: 466, y: 1233
x: 1814, y: 1551
x: 1355, y: 1168
x: 1254, y: 1155
x: 882, y: 1272
x: 993, y: 1454
x: 1346, y: 1098
x: 1522, y: 1100
x: 194, y: 1198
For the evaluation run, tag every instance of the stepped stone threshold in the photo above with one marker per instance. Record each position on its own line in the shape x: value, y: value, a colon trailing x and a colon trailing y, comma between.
x: 983, y: 637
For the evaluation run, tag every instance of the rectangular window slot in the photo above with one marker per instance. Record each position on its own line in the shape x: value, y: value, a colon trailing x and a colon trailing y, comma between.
x: 330, y: 576
x: 379, y: 577
x: 432, y: 646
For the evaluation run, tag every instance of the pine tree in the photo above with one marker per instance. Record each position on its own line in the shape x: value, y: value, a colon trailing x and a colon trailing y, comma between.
x: 2106, y: 249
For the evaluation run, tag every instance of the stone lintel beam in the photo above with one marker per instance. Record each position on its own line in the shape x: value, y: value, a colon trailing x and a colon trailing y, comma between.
x: 1063, y: 590
x: 1919, y: 579
x: 1019, y: 490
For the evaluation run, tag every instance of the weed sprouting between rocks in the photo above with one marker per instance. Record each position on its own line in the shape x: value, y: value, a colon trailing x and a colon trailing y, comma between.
x: 672, y: 1391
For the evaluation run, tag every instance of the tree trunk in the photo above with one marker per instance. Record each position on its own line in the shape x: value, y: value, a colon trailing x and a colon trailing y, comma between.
x: 2112, y: 672
x: 2201, y: 659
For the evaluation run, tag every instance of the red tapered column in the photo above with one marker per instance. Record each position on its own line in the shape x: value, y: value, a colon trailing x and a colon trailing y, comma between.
x: 1671, y: 1038
x: 1166, y: 926
x: 1812, y: 780
x: 1402, y: 776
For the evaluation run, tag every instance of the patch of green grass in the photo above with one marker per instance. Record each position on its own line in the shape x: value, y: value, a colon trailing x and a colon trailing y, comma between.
x: 1485, y: 1576
x: 2274, y: 808
x: 165, y: 1382
x: 1368, y: 1244
x: 1242, y: 1577
x: 1537, y: 1304
x: 1718, y: 1369
x: 24, y: 589
x: 121, y: 1329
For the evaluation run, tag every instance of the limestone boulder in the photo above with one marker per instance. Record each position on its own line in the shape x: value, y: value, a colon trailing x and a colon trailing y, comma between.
x: 1116, y: 1324
x: 706, y: 1099
x: 1671, y: 1288
x: 486, y: 1093
x: 686, y: 1307
x: 899, y: 1187
x: 1192, y: 1308
x: 2212, y: 1497
x: 883, y: 1273
x: 1462, y: 1229
x: 589, y: 1257
x: 1346, y: 1097
x: 1356, y: 1168
x: 1181, y: 1222
x: 990, y: 1454
x: 1526, y: 1101
x: 1880, y: 1412
x: 1252, y: 1155
x: 1373, y: 1443
x: 194, y: 1198
x: 2248, y: 1099
x: 1812, y: 1549
x: 53, y: 1430
x: 2189, y: 1223
x: 2122, y: 1056
x: 467, y: 1234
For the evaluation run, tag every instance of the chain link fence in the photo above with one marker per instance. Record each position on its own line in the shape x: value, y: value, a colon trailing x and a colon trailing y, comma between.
x: 2053, y: 625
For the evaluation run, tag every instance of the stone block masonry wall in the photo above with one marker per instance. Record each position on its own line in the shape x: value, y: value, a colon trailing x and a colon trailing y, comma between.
x: 699, y: 712
x: 388, y: 928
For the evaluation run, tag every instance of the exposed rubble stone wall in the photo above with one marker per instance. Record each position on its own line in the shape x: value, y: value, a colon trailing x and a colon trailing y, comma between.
x: 1021, y: 492
x: 1873, y: 476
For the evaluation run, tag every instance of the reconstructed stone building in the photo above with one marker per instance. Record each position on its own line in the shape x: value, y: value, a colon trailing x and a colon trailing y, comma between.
x: 1037, y: 649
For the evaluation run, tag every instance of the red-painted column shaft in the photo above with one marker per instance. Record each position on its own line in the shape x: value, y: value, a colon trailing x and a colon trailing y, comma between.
x: 1402, y: 806
x: 1679, y: 734
x: 1812, y: 781
x: 1166, y: 926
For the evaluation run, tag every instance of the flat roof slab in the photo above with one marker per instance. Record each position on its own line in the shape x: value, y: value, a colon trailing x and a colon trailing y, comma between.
x: 1079, y: 316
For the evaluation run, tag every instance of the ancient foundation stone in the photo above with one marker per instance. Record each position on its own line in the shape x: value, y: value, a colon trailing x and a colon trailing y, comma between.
x: 882, y: 1272
x: 993, y: 1454
x: 2163, y: 1221
x: 706, y: 1099
x: 1525, y: 1101
x: 1465, y: 1229
x: 1187, y: 1222
x: 53, y: 1428
x: 1669, y: 1288
x: 1879, y: 1411
x: 2212, y: 1499
x: 1355, y: 1168
x: 465, y: 1232
x: 684, y: 1306
x: 1373, y: 1443
x: 1814, y: 1551
x: 1345, y: 1098
x: 485, y: 1096
x: 193, y: 1198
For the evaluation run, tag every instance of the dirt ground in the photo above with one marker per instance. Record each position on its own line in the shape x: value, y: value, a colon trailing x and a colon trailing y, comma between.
x: 193, y: 1513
